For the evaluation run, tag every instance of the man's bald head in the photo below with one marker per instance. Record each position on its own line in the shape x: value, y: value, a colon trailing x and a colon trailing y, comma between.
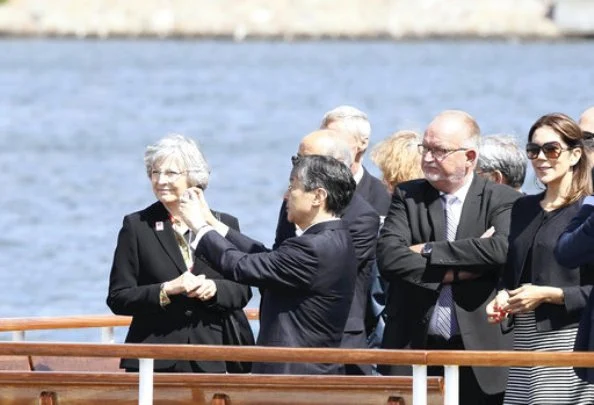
x: 450, y: 148
x: 458, y: 124
x: 326, y: 142
x: 586, y: 121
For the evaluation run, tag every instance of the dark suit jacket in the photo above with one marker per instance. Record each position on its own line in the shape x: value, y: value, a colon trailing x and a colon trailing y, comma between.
x: 532, y: 231
x: 417, y: 216
x: 146, y: 255
x: 574, y: 248
x: 575, y: 244
x: 363, y: 224
x: 306, y: 285
x: 374, y: 192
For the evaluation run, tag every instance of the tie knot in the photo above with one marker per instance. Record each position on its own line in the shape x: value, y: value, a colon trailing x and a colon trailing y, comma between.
x: 449, y: 199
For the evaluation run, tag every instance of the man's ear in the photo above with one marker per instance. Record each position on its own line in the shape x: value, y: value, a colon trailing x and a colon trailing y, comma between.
x: 471, y: 155
x: 498, y: 177
x: 320, y: 196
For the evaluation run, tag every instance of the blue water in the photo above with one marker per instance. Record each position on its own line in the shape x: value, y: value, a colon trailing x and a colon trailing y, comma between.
x: 75, y: 117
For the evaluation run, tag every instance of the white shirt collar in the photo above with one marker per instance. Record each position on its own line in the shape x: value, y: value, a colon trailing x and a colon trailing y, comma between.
x: 299, y: 231
x: 359, y: 175
x: 461, y: 193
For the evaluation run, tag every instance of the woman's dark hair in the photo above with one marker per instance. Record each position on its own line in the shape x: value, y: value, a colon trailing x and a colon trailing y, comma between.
x: 572, y: 135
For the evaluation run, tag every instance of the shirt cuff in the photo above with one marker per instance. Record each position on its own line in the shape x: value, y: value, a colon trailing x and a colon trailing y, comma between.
x: 199, y: 234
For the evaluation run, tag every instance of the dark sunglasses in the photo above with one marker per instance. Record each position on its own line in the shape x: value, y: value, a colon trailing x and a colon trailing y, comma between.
x: 551, y: 150
x: 295, y: 159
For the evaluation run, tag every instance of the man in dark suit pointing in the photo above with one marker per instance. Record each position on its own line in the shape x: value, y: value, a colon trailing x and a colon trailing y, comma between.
x: 442, y: 248
x: 363, y: 223
x: 307, y: 282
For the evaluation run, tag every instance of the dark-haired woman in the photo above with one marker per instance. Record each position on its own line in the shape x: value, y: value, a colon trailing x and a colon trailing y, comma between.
x: 545, y: 299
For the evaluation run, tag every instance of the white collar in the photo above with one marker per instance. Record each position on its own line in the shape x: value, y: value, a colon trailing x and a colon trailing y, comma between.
x: 299, y: 231
x: 359, y: 175
x: 461, y: 193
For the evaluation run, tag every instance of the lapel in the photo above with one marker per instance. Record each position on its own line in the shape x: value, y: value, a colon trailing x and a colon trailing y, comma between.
x: 166, y: 237
x: 469, y: 218
x: 436, y: 212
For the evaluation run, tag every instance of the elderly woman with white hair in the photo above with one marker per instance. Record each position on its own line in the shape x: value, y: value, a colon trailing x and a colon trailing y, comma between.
x: 173, y: 295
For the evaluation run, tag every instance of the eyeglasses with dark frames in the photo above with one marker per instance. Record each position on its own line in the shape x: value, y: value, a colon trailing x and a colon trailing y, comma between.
x: 295, y: 159
x: 551, y: 150
x: 438, y: 153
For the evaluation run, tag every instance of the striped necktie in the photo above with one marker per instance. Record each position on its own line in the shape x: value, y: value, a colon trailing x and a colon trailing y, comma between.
x: 443, y: 321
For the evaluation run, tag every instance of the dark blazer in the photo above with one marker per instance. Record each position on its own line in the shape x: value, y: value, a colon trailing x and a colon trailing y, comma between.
x: 306, y: 285
x: 535, y: 232
x: 417, y: 216
x: 574, y: 248
x: 374, y: 192
x: 363, y: 224
x: 575, y: 244
x: 146, y: 255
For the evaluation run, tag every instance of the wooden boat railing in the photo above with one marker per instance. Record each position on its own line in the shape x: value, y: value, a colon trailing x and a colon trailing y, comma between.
x: 147, y: 353
x: 107, y: 323
x: 417, y: 358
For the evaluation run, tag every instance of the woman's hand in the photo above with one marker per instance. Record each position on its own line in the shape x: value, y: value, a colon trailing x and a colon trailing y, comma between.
x: 495, y: 311
x: 528, y: 297
x: 206, y: 290
x: 182, y: 284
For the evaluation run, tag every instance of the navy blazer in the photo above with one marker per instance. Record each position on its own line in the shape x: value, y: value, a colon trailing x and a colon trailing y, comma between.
x: 574, y: 248
x: 363, y: 224
x: 575, y: 244
x: 535, y: 232
x: 306, y: 285
x: 374, y: 192
x: 146, y: 255
x: 417, y: 216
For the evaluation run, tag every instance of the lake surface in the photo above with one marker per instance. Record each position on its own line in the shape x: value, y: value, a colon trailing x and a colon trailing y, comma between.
x: 75, y: 117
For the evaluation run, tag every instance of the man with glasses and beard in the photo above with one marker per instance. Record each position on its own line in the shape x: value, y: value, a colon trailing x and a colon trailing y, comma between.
x: 440, y: 259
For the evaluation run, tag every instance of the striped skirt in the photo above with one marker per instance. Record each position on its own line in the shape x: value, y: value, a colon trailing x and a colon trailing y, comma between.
x: 544, y: 385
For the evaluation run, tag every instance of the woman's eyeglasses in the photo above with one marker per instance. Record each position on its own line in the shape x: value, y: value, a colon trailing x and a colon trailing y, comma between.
x: 168, y: 175
x: 551, y: 150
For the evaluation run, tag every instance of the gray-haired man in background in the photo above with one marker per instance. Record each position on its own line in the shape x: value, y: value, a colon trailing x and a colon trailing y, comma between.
x: 502, y: 161
x: 353, y: 125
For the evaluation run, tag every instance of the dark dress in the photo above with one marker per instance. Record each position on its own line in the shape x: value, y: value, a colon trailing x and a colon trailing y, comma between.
x: 533, y: 235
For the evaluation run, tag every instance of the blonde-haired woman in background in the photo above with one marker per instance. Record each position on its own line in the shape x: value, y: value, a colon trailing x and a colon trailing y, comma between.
x: 397, y: 158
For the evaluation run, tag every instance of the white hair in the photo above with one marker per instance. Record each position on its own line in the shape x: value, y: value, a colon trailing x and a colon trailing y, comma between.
x: 183, y: 149
x: 502, y: 152
x: 349, y: 120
